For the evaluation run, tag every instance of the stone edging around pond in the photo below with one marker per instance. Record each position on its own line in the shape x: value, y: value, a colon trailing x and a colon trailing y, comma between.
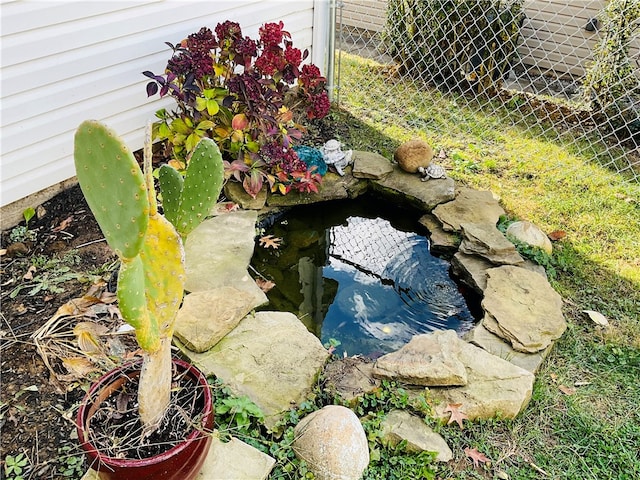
x: 271, y: 357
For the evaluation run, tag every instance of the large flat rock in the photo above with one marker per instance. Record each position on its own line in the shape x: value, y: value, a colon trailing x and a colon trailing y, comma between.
x: 428, y: 359
x: 235, y: 460
x: 206, y: 317
x: 521, y: 307
x: 271, y: 358
x: 485, y: 240
x: 219, y: 250
x: 469, y: 206
x: 408, y: 188
x: 370, y: 165
x: 494, y: 387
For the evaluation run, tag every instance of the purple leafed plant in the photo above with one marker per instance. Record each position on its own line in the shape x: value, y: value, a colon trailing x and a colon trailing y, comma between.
x: 250, y: 96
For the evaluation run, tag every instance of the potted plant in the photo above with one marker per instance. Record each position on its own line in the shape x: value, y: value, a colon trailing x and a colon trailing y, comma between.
x: 146, y: 441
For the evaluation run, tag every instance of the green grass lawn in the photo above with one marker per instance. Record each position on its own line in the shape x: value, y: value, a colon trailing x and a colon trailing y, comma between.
x: 593, y: 433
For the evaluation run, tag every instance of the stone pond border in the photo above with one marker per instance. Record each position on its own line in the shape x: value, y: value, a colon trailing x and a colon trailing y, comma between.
x: 271, y: 357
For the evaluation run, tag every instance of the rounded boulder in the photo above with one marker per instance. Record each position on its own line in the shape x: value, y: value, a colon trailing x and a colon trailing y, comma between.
x: 527, y: 232
x: 333, y: 444
x: 413, y: 154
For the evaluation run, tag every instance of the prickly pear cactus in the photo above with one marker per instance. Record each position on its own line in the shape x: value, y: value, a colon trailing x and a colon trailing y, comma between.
x: 151, y: 278
x: 188, y: 201
x: 113, y: 185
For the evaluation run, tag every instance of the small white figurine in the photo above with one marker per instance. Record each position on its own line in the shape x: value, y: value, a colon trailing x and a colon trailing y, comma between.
x: 432, y: 171
x: 334, y: 156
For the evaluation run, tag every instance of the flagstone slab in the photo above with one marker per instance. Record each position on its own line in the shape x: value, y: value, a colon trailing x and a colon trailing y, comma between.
x: 206, y: 317
x: 271, y: 358
x: 469, y: 206
x: 219, y: 250
x: 497, y: 346
x: 428, y: 359
x: 235, y: 460
x: 471, y: 270
x: 370, y: 165
x: 522, y: 307
x: 235, y: 192
x: 333, y: 187
x: 400, y: 425
x: 485, y: 240
x: 440, y: 242
x: 408, y: 188
x: 495, y: 387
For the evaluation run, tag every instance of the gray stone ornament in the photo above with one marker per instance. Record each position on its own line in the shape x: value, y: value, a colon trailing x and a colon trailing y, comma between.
x: 334, y: 156
x: 432, y: 171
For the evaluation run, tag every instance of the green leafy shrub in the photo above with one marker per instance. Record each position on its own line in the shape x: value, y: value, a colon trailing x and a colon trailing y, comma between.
x: 249, y: 96
x: 610, y: 83
x: 454, y: 41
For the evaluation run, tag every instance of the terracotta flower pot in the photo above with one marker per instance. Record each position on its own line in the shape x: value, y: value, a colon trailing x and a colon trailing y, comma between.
x: 181, y: 462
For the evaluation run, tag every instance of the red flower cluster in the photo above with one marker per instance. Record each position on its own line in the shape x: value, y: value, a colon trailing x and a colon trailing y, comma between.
x: 272, y: 34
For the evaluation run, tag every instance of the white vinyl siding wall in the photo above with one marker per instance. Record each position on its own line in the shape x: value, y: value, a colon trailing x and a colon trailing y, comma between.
x: 64, y: 62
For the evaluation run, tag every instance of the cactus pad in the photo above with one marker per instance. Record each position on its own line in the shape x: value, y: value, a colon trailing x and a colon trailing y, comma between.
x: 188, y: 202
x: 113, y: 185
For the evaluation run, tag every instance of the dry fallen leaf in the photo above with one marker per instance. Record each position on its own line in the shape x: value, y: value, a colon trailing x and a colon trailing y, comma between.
x: 269, y: 241
x: 63, y: 224
x: 476, y: 456
x: 566, y: 390
x: 597, y: 318
x: 554, y: 378
x: 3, y: 251
x: 557, y: 235
x: 30, y: 272
x: 265, y: 285
x: 456, y: 415
x: 78, y: 368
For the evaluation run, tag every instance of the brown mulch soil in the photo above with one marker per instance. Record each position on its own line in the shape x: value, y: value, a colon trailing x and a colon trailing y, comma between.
x: 37, y: 413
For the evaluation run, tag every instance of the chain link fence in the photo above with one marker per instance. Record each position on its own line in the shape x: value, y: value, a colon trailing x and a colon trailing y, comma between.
x: 568, y: 72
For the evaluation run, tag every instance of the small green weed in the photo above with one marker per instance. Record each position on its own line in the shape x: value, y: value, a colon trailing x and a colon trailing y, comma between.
x: 393, y: 462
x: 237, y: 416
x: 396, y: 463
x: 47, y: 274
x: 21, y: 233
x: 15, y: 466
x: 71, y: 462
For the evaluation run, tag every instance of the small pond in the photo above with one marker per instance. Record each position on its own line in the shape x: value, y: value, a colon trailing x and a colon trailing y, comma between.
x: 360, y: 272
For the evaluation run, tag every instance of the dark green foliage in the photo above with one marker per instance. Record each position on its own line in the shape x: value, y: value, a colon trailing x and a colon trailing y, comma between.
x: 610, y: 83
x: 458, y: 42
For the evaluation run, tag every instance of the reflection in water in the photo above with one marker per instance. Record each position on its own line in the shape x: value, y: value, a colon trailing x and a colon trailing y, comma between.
x: 360, y: 280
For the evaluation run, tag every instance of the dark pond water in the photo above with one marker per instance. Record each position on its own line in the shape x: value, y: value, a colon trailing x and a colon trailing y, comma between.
x: 358, y: 272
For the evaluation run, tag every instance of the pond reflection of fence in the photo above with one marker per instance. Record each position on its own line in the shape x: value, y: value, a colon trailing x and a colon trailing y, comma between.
x: 368, y: 244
